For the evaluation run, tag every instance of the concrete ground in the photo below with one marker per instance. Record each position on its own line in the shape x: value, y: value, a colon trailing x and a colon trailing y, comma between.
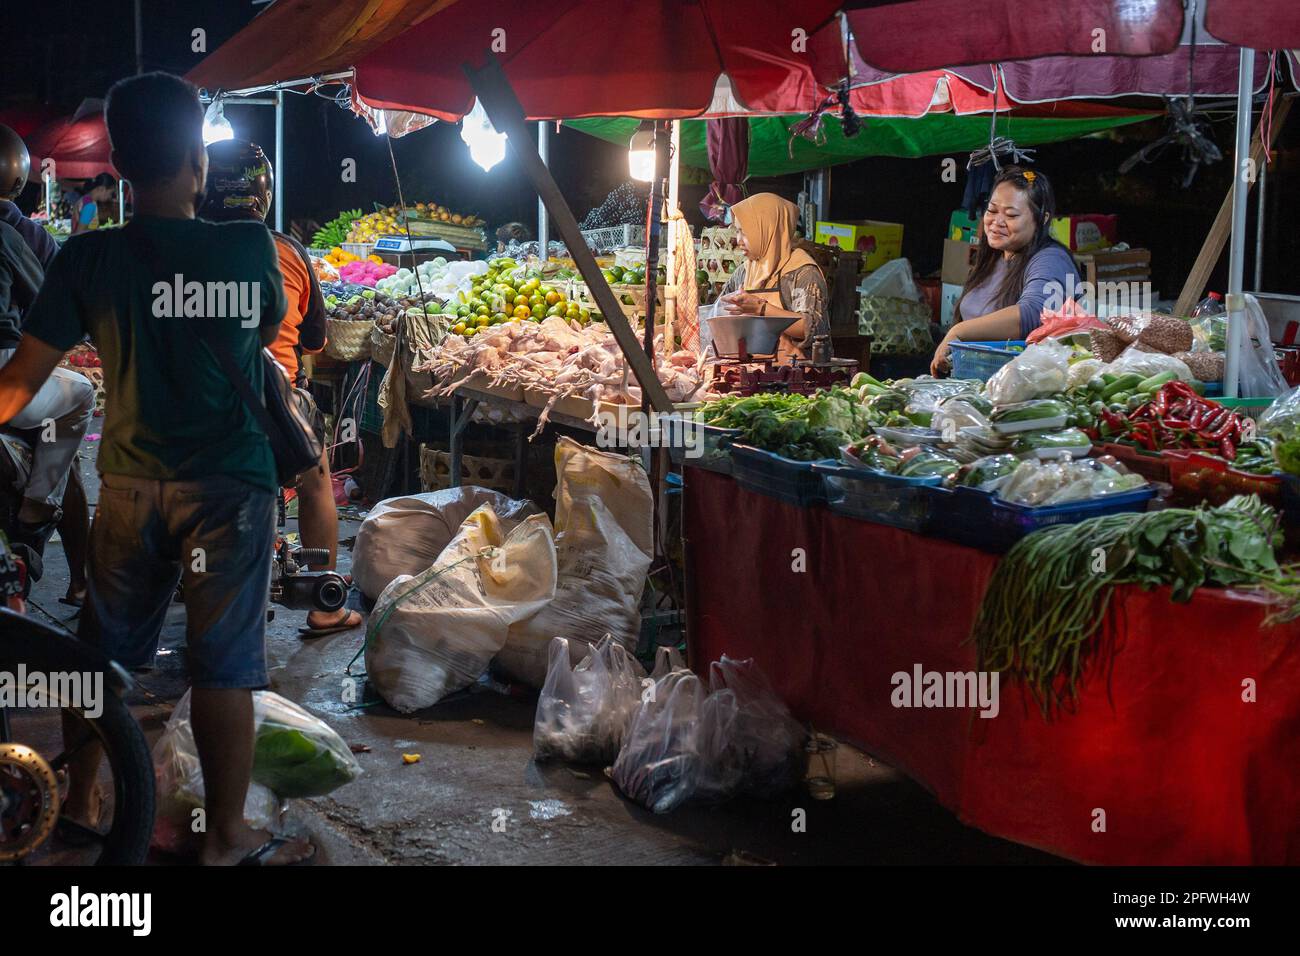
x: 476, y: 770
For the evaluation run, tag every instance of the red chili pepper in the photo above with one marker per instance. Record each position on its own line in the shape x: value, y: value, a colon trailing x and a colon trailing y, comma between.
x: 1162, y: 402
x: 1224, y: 429
x: 1228, y: 449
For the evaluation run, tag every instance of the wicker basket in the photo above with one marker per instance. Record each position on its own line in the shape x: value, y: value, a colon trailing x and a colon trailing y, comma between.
x: 382, y: 345
x: 349, y: 340
x: 495, y: 473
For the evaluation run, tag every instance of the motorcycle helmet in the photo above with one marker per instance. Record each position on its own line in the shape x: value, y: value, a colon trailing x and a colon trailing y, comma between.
x: 240, y: 182
x: 15, y: 163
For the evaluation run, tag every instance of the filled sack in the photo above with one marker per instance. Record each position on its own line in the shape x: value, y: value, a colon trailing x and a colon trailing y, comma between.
x: 435, y: 633
x: 405, y: 535
x: 604, y: 540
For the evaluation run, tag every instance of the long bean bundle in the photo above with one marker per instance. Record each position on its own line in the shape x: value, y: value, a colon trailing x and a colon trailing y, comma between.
x: 1049, y: 595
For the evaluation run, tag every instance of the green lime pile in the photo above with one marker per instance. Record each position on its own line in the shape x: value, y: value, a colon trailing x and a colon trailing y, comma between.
x: 506, y: 293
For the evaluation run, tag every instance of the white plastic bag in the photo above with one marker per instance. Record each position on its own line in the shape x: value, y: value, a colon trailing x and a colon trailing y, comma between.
x: 434, y: 634
x: 583, y: 712
x: 405, y: 535
x: 1041, y: 369
x: 893, y: 279
x: 1258, y: 372
x: 604, y: 541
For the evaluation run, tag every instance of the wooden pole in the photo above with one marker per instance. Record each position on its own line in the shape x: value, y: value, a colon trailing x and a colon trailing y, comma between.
x: 507, y: 115
x: 1217, y: 237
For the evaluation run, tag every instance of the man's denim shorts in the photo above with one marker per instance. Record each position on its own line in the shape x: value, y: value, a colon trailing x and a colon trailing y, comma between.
x: 215, y: 536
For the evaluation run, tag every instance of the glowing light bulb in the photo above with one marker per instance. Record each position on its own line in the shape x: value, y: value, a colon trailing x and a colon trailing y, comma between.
x: 487, y: 147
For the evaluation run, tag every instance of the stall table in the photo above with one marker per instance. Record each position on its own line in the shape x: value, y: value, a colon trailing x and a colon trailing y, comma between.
x: 1162, y: 761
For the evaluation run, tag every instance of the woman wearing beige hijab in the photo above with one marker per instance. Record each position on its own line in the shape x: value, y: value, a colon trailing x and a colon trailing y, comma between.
x: 777, y: 278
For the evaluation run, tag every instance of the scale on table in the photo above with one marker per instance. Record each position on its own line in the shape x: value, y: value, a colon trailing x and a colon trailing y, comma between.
x: 408, y: 253
x: 401, y: 245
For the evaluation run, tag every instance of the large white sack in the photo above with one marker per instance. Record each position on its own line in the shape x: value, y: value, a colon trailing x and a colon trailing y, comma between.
x: 405, y: 535
x: 604, y: 536
x: 435, y: 633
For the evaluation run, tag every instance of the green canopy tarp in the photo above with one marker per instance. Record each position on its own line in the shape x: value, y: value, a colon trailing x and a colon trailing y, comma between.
x: 932, y: 134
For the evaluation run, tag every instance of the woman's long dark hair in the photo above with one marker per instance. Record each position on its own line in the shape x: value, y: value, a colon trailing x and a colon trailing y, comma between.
x: 1042, y: 206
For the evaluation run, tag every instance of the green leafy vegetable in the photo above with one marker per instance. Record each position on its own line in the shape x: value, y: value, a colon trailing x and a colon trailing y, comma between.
x: 1048, y: 596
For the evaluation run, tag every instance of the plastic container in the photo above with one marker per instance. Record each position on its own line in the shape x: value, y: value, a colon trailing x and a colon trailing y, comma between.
x: 1197, y: 478
x: 785, y: 479
x: 1153, y: 466
x: 877, y: 496
x: 982, y: 359
x: 1054, y: 454
x: 715, y: 445
x: 1031, y: 425
x: 907, y: 437
x: 979, y: 520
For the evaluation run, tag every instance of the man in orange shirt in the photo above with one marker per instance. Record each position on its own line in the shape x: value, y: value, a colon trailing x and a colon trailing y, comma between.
x: 240, y: 186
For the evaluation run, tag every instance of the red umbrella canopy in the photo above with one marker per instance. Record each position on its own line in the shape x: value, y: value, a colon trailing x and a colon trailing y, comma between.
x: 78, y: 144
x: 1258, y: 24
x: 573, y: 58
x: 905, y: 36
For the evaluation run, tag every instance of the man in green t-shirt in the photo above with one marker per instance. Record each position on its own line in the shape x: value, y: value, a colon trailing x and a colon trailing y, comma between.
x: 188, y: 479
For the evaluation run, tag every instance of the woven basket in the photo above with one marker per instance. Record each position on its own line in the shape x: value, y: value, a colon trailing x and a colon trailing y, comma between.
x: 349, y: 341
x: 382, y: 345
x: 495, y: 473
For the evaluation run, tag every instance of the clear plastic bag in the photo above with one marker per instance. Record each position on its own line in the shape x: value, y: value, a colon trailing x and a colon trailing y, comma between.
x: 765, y: 741
x: 179, y: 782
x: 1163, y: 333
x: 295, y: 754
x: 1041, y: 369
x: 1041, y: 484
x: 1258, y: 374
x: 658, y: 765
x: 1137, y: 359
x: 583, y: 712
x: 686, y: 745
x: 1281, y: 420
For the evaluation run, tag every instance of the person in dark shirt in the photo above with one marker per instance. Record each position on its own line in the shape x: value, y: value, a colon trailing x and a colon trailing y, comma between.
x: 63, y: 399
x: 188, y: 481
x: 15, y: 168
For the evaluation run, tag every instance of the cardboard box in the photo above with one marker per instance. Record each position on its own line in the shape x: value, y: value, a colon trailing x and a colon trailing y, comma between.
x: 879, y: 242
x: 963, y: 227
x: 948, y: 296
x: 1131, y: 265
x: 958, y: 257
x: 1085, y: 232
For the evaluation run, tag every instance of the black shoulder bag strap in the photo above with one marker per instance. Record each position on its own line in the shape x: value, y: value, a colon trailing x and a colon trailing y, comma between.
x: 147, y: 251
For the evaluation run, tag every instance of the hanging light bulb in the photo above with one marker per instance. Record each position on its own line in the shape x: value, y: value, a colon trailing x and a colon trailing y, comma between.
x: 215, y: 125
x: 487, y: 147
x: 641, y: 152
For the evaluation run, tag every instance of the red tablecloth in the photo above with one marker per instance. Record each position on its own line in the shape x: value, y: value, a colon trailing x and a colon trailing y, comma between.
x: 1162, y: 750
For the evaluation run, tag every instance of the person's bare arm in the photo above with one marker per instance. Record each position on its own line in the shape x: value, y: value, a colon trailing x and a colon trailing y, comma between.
x: 1002, y: 324
x: 24, y: 374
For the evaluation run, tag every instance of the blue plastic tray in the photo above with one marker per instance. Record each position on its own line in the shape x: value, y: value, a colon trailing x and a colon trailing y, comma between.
x: 878, y: 496
x: 785, y: 479
x: 979, y: 520
x: 982, y: 359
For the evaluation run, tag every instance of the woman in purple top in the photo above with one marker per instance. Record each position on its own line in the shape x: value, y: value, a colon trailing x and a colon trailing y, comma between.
x: 1018, y: 269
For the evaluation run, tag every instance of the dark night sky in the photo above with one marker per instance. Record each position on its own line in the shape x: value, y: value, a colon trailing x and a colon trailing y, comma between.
x: 77, y: 49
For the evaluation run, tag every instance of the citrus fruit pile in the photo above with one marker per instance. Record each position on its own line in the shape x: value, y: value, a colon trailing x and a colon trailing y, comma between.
x: 507, y: 293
